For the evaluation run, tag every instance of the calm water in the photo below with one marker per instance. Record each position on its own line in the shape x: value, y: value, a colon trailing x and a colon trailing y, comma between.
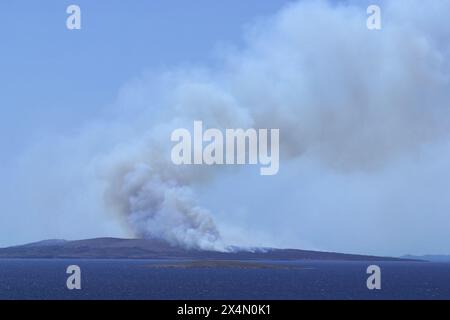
x: 125, y: 279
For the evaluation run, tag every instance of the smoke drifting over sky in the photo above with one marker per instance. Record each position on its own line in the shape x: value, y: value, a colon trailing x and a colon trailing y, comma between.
x: 364, y: 128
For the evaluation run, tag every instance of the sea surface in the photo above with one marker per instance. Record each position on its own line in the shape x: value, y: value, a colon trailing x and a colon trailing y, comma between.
x: 150, y: 279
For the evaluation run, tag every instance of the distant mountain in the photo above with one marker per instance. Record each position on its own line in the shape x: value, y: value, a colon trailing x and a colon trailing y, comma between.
x: 113, y: 248
x: 45, y: 243
x: 429, y: 257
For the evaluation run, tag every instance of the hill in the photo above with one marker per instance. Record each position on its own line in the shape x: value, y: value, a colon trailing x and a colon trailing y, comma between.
x: 114, y: 248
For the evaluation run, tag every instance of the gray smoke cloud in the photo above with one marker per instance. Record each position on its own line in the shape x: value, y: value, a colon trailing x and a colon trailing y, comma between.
x: 351, y: 98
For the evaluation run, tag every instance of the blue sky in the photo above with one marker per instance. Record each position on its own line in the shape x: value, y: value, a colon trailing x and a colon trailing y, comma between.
x: 53, y: 79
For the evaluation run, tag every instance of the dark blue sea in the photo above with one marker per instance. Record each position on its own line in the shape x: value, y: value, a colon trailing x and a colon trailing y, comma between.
x: 144, y: 279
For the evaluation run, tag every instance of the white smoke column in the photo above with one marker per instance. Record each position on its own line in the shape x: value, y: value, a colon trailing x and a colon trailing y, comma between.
x: 155, y: 201
x: 351, y: 98
x: 165, y: 210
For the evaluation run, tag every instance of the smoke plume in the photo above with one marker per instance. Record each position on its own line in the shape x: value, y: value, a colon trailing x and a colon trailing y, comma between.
x: 351, y: 98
